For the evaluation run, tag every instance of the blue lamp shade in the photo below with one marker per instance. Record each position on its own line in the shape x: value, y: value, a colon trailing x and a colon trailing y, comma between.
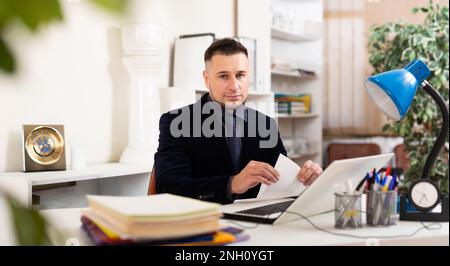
x: 393, y: 91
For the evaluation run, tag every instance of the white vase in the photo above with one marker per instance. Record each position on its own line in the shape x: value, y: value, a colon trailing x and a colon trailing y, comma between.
x: 142, y: 44
x: 78, y: 160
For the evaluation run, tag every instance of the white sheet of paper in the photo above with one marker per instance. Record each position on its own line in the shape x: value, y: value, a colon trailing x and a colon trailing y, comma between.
x: 287, y: 186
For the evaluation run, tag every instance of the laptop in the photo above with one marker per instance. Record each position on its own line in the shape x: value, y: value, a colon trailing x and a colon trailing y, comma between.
x: 315, y: 199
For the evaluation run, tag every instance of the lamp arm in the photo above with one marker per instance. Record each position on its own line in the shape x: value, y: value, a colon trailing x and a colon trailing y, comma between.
x: 443, y: 135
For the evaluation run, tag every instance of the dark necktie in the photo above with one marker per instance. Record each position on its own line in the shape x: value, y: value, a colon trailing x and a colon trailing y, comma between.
x: 234, y: 143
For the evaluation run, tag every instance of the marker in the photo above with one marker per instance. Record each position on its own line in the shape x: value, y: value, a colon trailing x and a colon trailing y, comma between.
x: 377, y: 182
x: 388, y: 171
x: 362, y: 182
x: 361, y: 189
x: 393, y: 181
x: 372, y: 180
x: 383, y: 181
x: 387, y: 182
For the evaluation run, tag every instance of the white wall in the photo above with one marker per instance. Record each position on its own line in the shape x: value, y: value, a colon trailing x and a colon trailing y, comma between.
x: 71, y: 73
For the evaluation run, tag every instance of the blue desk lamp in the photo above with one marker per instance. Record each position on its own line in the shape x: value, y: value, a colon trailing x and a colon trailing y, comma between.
x: 393, y: 92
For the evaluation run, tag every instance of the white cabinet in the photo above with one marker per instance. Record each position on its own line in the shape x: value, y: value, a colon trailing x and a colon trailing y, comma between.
x: 64, y: 189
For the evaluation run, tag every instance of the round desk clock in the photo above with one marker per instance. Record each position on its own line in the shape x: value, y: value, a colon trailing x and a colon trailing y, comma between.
x: 424, y: 195
x: 44, y: 145
x: 44, y: 148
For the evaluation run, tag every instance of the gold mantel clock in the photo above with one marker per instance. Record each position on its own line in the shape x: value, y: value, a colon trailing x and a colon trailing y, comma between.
x: 44, y: 148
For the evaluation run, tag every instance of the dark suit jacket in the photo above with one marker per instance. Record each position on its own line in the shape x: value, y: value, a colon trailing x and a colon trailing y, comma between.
x: 200, y: 167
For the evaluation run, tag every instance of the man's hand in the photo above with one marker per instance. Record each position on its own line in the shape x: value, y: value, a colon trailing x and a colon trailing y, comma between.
x: 253, y: 174
x: 309, y: 172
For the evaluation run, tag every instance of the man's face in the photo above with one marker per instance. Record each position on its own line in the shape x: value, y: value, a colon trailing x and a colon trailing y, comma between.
x: 227, y: 78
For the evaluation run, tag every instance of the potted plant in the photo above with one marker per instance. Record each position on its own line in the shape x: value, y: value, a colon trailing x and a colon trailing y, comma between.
x: 392, y: 46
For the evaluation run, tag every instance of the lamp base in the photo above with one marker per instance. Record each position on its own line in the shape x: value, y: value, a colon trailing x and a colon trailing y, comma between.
x: 137, y: 156
x: 414, y: 215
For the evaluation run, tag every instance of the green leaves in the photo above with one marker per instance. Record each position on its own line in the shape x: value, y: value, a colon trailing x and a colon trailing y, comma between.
x: 35, y: 13
x: 429, y: 42
x: 32, y: 14
x: 408, y: 54
x: 7, y: 62
x: 116, y: 6
x: 30, y: 226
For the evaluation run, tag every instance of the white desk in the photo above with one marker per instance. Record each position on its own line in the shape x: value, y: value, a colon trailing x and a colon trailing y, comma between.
x: 297, y: 233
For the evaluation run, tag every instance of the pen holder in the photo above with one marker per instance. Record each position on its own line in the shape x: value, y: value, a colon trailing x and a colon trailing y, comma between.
x: 347, y: 210
x: 381, y: 208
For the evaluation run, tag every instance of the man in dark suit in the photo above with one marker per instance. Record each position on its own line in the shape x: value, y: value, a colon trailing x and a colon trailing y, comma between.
x: 218, y: 149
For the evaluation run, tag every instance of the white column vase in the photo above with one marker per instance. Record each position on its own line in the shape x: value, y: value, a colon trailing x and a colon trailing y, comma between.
x: 142, y: 58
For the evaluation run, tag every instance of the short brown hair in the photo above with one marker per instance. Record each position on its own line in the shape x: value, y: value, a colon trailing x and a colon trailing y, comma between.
x: 225, y: 46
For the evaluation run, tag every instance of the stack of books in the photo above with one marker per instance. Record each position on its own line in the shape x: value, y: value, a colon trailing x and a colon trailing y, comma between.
x: 293, y: 104
x: 161, y: 219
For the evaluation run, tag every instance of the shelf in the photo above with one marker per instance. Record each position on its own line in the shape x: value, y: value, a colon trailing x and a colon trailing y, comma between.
x: 296, y: 116
x: 250, y: 93
x: 289, y: 36
x: 294, y: 74
x: 96, y: 171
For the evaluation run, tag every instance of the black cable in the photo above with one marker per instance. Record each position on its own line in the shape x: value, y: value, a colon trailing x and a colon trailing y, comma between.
x: 428, y: 227
x: 443, y: 135
x: 244, y: 226
x: 424, y: 226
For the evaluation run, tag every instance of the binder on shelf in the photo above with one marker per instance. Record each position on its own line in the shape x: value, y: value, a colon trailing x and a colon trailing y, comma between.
x: 293, y: 104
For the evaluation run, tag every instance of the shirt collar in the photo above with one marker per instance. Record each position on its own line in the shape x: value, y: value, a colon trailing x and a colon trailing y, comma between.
x: 240, y: 111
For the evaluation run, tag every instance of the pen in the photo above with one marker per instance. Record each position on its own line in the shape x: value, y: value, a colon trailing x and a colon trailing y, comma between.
x: 383, y: 181
x: 372, y: 180
x: 377, y: 182
x: 362, y: 182
x: 361, y: 189
x: 394, y: 179
x: 388, y: 170
x: 369, y: 182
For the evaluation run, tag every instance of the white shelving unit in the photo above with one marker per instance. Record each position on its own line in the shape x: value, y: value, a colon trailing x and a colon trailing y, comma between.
x: 293, y: 74
x: 300, y: 49
x: 296, y: 115
x: 274, y: 41
x: 62, y: 189
x: 281, y: 34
